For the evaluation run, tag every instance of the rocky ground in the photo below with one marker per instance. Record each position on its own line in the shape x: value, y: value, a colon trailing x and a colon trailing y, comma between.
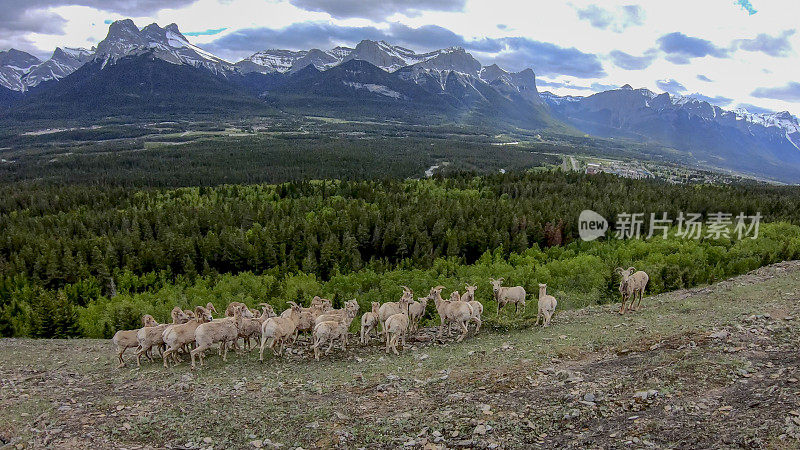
x: 709, y: 367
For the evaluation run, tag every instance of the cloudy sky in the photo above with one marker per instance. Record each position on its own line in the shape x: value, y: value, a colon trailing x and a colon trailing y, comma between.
x: 734, y: 53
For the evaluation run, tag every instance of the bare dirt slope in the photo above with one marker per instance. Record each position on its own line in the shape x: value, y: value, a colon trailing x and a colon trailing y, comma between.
x: 709, y: 367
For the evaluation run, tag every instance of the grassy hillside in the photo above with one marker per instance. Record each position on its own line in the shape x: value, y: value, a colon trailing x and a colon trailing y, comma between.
x: 715, y: 366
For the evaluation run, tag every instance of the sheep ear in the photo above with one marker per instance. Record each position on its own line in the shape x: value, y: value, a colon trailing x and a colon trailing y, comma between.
x: 501, y: 279
x: 631, y: 269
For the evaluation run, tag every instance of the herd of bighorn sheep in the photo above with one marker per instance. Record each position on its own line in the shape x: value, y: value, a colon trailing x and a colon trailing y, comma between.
x: 193, y: 332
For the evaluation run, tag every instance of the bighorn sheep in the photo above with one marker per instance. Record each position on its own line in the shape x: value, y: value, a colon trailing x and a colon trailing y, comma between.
x: 176, y: 336
x: 452, y: 311
x: 308, y: 315
x: 390, y: 308
x: 477, y: 307
x: 396, y: 326
x: 505, y: 295
x: 125, y: 339
x: 350, y: 310
x: 222, y: 331
x: 547, y: 306
x: 279, y: 329
x: 369, y: 322
x: 150, y: 337
x: 416, y: 310
x: 330, y: 330
x: 632, y: 284
x: 251, y: 327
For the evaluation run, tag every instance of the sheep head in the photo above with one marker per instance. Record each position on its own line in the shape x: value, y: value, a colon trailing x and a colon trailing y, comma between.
x: 148, y: 321
x: 497, y: 285
x: 455, y: 296
x: 202, y: 314
x: 210, y: 308
x: 179, y: 315
x: 376, y: 306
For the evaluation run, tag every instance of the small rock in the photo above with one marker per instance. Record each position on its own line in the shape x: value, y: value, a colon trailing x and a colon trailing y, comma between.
x: 410, y: 443
x: 722, y: 334
x: 207, y: 440
x: 589, y: 397
x: 480, y: 430
x: 256, y: 444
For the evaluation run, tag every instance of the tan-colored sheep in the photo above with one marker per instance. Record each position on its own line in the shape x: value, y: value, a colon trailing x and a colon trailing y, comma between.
x: 452, y: 311
x: 251, y: 327
x: 125, y: 339
x: 547, y: 306
x: 328, y: 331
x: 222, y: 331
x: 350, y: 309
x: 396, y: 327
x: 308, y: 315
x: 632, y: 284
x: 279, y: 330
x: 176, y: 336
x: 231, y: 306
x: 150, y: 337
x: 416, y: 310
x: 505, y: 295
x: 390, y: 308
x: 369, y: 322
x: 477, y: 307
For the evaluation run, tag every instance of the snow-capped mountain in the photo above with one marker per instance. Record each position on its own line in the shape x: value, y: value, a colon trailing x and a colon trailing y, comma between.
x: 168, y: 44
x: 378, y: 53
x: 14, y: 65
x: 768, y: 143
x: 285, y: 61
x: 63, y: 62
x: 20, y: 71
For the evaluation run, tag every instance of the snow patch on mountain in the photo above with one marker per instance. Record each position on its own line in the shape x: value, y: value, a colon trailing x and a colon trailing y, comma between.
x: 375, y: 89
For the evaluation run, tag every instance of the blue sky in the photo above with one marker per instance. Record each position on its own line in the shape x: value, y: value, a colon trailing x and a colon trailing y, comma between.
x: 730, y: 52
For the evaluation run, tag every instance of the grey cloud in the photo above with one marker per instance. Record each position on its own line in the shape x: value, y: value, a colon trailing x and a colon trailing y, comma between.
x: 547, y: 59
x: 634, y: 14
x: 681, y: 48
x: 597, y: 16
x: 702, y: 77
x: 671, y: 86
x: 789, y: 93
x: 718, y: 100
x: 602, y: 18
x: 754, y: 109
x: 377, y: 10
x: 630, y: 62
x: 778, y: 46
x: 32, y: 16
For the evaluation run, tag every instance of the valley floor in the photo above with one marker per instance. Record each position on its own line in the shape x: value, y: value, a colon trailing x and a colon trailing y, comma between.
x: 714, y: 366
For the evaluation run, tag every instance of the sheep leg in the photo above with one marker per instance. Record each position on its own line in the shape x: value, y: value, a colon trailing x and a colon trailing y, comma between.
x: 464, y: 330
x: 639, y: 303
x: 395, y: 339
x: 119, y: 355
x: 330, y: 347
x: 478, y: 325
x: 200, y: 350
x: 622, y: 305
x: 388, y: 339
x: 261, y: 351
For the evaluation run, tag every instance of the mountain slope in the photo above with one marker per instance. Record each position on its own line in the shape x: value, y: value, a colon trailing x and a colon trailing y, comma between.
x: 137, y: 85
x: 735, y: 140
